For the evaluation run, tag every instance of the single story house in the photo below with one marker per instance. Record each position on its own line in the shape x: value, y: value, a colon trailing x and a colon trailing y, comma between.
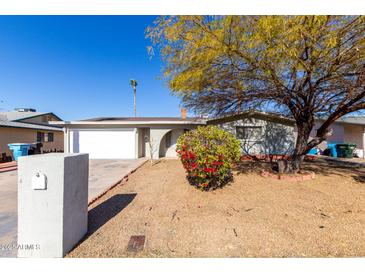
x: 134, y: 137
x: 126, y: 138
x: 24, y: 125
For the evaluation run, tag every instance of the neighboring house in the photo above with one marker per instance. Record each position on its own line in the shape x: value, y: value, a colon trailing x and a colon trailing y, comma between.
x: 130, y: 138
x: 350, y: 130
x: 29, y: 126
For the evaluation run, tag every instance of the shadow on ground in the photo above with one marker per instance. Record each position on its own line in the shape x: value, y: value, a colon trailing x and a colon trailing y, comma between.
x: 359, y: 178
x: 324, y: 167
x: 103, y: 212
x: 252, y: 166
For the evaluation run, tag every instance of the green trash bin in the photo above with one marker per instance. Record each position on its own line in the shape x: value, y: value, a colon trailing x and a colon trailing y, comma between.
x: 345, y: 150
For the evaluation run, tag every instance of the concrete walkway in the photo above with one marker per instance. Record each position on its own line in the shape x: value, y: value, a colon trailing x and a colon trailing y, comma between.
x: 103, y: 174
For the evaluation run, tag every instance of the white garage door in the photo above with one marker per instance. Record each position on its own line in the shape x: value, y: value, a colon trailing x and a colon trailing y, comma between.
x: 104, y: 144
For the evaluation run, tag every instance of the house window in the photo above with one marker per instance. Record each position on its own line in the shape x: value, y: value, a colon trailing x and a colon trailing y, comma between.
x: 40, y: 136
x: 50, y: 137
x: 249, y: 132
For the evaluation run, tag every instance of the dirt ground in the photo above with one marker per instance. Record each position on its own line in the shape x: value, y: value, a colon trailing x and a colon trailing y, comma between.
x: 252, y: 217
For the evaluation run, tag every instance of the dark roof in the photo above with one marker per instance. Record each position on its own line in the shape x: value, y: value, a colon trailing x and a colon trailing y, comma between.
x: 141, y: 119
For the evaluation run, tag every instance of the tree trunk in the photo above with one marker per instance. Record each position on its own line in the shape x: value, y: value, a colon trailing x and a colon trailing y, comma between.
x: 301, y: 146
x: 295, y: 162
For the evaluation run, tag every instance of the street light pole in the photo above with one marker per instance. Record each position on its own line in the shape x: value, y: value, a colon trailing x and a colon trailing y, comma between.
x: 134, y: 85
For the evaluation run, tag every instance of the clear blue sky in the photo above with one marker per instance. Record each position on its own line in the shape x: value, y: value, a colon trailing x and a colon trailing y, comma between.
x: 80, y: 66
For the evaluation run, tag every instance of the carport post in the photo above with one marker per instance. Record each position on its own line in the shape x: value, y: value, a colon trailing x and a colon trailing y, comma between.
x: 66, y: 140
x: 136, y: 143
x: 363, y: 143
x: 52, y: 203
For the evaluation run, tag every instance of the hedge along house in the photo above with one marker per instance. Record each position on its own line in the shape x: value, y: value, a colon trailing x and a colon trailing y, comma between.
x: 24, y: 125
x: 135, y: 137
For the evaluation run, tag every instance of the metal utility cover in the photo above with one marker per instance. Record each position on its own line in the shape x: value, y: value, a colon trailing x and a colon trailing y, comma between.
x: 136, y: 243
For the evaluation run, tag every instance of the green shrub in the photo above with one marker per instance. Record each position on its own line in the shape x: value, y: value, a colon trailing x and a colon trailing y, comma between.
x: 207, y: 154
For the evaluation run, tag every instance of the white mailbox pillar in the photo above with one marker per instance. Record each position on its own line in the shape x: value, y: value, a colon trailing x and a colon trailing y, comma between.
x: 52, y: 203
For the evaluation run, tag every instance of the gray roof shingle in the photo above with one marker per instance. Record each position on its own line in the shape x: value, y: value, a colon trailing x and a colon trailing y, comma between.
x: 28, y: 125
x: 19, y: 115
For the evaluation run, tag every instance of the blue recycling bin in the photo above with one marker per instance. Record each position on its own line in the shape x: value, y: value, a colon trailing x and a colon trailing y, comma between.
x: 313, y: 151
x: 332, y: 148
x: 19, y: 149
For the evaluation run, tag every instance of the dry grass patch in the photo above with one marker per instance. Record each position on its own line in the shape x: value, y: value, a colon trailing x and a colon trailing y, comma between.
x: 252, y: 217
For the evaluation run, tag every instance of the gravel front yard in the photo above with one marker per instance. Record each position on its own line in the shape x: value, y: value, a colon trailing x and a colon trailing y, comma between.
x: 252, y: 217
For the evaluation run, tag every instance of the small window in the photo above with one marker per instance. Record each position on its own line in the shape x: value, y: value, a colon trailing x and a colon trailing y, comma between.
x: 40, y: 136
x: 249, y: 132
x: 50, y: 137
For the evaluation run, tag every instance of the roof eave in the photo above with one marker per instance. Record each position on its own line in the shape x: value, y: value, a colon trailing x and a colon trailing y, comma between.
x: 252, y: 114
x: 33, y: 128
x: 65, y: 123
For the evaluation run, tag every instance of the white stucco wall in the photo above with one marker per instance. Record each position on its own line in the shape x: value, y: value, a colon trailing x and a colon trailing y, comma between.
x: 275, y: 138
x: 170, y: 151
x: 158, y: 136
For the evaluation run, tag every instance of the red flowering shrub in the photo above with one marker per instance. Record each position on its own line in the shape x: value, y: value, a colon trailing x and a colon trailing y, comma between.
x: 207, y: 155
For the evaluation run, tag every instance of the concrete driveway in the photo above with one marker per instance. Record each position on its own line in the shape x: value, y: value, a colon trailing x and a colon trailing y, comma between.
x: 8, y: 213
x: 103, y: 174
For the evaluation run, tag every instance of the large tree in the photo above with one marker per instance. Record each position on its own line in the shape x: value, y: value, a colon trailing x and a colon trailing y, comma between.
x: 304, y: 67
